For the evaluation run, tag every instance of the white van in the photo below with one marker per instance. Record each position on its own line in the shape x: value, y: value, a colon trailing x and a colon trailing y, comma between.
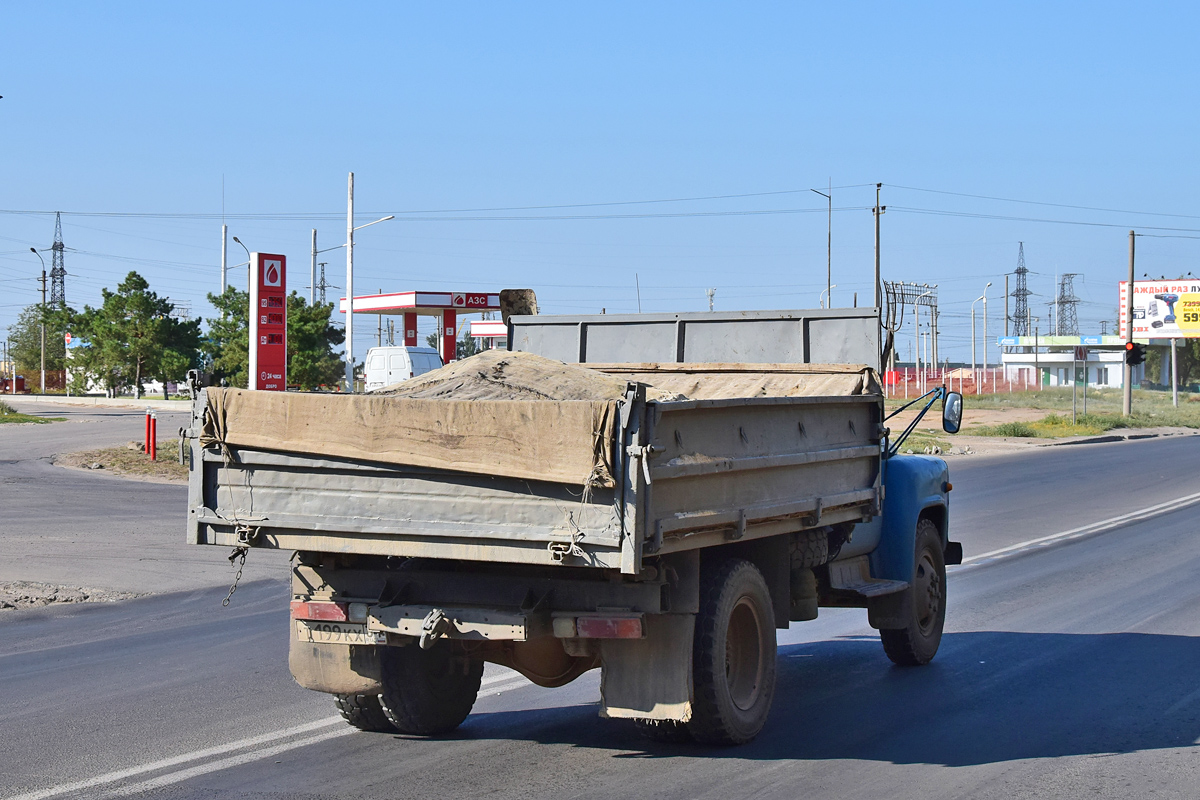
x: 388, y: 365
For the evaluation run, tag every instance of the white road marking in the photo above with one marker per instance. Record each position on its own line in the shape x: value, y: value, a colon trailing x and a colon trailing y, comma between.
x: 226, y: 763
x: 504, y: 676
x: 1184, y: 701
x: 1086, y: 530
x: 493, y: 684
x: 154, y: 766
x: 503, y: 686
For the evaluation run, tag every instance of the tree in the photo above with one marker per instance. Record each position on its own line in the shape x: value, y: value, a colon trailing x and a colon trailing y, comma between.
x: 311, y: 337
x: 25, y: 337
x: 228, y: 341
x: 132, y: 337
x: 466, y: 346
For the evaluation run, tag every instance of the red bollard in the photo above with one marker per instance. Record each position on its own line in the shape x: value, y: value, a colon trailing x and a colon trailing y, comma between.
x: 153, y: 437
x: 146, y: 436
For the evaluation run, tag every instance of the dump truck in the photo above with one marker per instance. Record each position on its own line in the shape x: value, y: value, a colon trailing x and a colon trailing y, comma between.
x: 651, y: 495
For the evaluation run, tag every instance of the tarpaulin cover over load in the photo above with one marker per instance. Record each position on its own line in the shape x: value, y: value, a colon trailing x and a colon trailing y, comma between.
x: 515, y: 414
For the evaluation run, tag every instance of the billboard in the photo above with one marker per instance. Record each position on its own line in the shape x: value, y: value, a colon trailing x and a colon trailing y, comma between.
x: 1162, y: 309
x: 268, y: 322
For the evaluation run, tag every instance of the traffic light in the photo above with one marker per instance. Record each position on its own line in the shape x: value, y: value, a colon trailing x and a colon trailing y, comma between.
x: 1134, y: 353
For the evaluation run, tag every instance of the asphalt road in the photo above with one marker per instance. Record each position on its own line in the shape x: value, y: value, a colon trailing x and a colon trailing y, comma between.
x: 90, y: 529
x: 1070, y: 670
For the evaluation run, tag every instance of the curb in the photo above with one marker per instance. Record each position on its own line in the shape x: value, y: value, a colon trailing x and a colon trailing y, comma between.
x: 111, y: 402
x: 1117, y: 438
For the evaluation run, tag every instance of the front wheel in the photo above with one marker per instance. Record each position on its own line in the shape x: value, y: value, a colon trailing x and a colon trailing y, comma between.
x: 918, y: 641
x: 733, y: 656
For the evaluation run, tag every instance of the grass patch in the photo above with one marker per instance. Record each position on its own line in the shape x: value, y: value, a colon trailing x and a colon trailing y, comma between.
x: 1056, y: 426
x: 130, y: 461
x: 10, y: 414
x: 1020, y: 430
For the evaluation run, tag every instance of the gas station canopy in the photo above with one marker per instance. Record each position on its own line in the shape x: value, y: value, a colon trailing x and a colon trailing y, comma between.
x: 446, y: 305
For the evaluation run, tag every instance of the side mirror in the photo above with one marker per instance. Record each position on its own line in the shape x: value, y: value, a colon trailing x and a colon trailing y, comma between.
x: 952, y: 409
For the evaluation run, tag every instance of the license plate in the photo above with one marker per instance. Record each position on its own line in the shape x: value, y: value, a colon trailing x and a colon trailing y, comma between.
x: 337, y: 633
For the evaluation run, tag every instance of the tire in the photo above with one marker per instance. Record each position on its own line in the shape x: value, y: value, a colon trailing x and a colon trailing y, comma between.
x: 917, y: 643
x: 809, y: 549
x: 733, y: 656
x: 364, y: 711
x: 665, y: 731
x: 428, y: 692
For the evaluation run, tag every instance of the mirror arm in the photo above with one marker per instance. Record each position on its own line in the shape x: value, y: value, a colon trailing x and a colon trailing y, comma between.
x: 937, y: 393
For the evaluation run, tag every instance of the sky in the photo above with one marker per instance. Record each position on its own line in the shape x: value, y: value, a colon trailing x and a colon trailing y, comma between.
x: 517, y: 145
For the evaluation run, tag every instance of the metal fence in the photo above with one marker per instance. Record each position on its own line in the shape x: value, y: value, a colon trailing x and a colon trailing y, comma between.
x: 910, y: 382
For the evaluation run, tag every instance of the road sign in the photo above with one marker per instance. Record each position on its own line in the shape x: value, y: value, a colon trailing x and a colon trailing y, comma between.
x: 67, y: 338
x: 1081, y: 353
x: 268, y: 322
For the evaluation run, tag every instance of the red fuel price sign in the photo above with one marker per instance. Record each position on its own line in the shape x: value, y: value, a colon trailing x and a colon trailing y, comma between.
x: 268, y: 322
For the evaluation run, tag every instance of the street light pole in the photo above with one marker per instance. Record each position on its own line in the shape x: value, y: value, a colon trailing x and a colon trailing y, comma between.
x: 249, y: 266
x: 43, y: 321
x: 831, y: 286
x: 350, y: 229
x: 985, y: 337
x: 829, y: 244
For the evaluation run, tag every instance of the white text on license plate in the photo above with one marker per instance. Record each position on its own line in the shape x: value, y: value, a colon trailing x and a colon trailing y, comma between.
x: 337, y: 633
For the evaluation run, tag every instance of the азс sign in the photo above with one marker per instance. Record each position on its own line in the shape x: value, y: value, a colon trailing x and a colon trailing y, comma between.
x: 268, y: 322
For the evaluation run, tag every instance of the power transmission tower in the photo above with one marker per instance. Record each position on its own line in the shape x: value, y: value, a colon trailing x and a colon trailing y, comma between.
x: 1020, y: 316
x: 58, y: 272
x: 180, y: 309
x: 1068, y: 323
x: 322, y: 284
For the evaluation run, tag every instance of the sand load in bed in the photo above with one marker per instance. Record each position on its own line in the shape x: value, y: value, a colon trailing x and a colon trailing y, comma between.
x: 515, y: 414
x: 504, y: 413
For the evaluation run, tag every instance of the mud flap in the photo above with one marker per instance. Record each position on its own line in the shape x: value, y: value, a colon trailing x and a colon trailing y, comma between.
x: 890, y: 611
x: 649, y: 678
x: 335, y: 668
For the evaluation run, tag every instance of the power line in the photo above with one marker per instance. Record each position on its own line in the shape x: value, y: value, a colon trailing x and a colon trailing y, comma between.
x: 1043, y: 203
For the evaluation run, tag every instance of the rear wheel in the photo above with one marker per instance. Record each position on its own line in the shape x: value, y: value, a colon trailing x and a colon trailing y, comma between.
x: 733, y: 656
x: 428, y: 692
x: 364, y: 712
x: 917, y: 642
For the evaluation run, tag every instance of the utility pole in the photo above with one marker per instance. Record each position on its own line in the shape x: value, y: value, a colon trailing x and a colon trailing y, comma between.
x: 1037, y: 367
x: 312, y: 270
x: 878, y: 285
x: 43, y: 326
x: 224, y: 256
x: 1127, y: 399
x: 877, y: 211
x: 711, y: 293
x: 350, y: 284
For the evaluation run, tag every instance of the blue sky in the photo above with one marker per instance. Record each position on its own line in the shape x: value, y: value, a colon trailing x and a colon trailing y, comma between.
x: 146, y: 108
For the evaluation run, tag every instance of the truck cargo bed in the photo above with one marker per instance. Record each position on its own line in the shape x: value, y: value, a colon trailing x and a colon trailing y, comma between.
x: 685, y: 474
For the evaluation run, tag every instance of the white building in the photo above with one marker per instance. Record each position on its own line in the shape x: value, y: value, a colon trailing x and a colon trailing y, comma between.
x: 1056, y: 360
